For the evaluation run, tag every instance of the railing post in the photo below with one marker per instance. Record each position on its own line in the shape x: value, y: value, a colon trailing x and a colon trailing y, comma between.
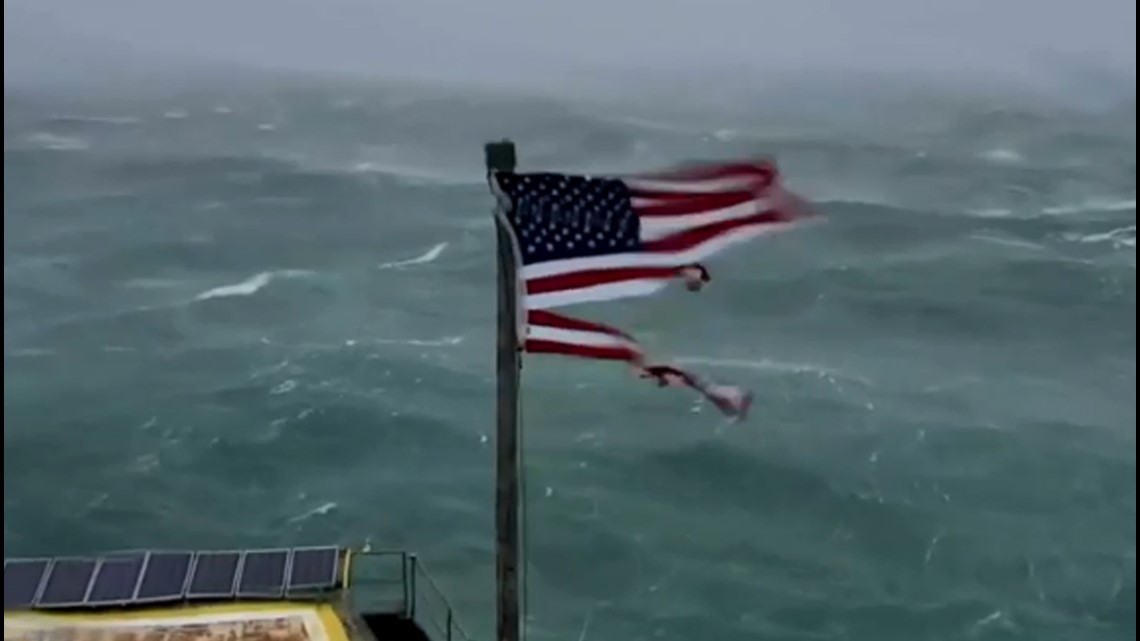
x: 404, y: 584
x: 412, y: 584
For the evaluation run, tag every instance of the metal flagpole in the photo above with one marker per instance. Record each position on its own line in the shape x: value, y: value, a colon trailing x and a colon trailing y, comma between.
x: 500, y: 156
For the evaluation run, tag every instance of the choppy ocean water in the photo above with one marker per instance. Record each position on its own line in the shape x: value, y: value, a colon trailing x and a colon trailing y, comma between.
x: 264, y: 315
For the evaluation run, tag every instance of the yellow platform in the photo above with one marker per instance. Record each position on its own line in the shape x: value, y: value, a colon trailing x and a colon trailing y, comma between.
x: 221, y: 622
x: 303, y: 594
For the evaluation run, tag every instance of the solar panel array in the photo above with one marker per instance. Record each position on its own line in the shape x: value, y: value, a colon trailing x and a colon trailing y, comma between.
x: 160, y: 577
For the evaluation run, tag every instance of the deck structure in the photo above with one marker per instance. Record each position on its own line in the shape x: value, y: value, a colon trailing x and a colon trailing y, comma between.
x: 284, y: 594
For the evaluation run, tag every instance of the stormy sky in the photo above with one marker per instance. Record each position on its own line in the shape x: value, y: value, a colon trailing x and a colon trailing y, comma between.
x: 521, y: 39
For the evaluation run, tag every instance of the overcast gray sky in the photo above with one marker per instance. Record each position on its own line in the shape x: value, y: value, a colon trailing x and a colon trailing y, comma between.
x: 503, y: 38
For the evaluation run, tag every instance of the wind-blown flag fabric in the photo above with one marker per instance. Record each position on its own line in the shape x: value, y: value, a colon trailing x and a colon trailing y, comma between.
x: 586, y: 239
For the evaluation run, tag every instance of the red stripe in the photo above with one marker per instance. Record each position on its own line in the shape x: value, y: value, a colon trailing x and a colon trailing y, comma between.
x: 755, y: 177
x: 690, y: 238
x: 592, y: 277
x: 558, y: 321
x: 542, y: 346
x: 684, y: 204
x: 675, y: 243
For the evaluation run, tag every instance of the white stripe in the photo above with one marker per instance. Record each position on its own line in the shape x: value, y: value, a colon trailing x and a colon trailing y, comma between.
x: 595, y: 293
x: 696, y: 186
x: 655, y: 227
x: 649, y: 259
x: 577, y: 337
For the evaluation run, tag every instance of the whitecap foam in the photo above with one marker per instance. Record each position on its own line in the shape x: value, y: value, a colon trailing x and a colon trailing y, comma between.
x: 991, y: 212
x: 413, y: 175
x: 29, y: 352
x: 282, y: 201
x: 251, y: 285
x: 769, y: 365
x: 1095, y: 204
x: 426, y: 257
x: 320, y: 510
x: 56, y: 142
x: 175, y: 114
x: 1006, y: 241
x: 247, y: 287
x: 1002, y: 155
x: 648, y: 124
x: 284, y: 388
x: 1120, y: 237
x: 97, y: 120
x: 446, y: 341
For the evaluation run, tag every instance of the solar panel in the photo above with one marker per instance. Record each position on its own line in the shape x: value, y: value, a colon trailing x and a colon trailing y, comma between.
x: 148, y: 577
x: 22, y: 579
x: 67, y: 582
x: 263, y: 573
x: 314, y: 568
x: 116, y: 580
x: 215, y: 575
x: 164, y: 576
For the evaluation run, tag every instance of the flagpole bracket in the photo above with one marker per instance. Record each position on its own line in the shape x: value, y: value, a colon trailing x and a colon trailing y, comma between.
x: 500, y: 156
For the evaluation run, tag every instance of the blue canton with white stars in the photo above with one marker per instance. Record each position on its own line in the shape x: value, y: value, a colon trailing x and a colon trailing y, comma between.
x: 556, y: 216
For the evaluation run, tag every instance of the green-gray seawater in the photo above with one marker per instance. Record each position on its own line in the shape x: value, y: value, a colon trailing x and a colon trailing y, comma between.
x: 263, y: 315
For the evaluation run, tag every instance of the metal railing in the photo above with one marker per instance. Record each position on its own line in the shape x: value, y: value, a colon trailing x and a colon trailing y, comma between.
x: 396, y: 582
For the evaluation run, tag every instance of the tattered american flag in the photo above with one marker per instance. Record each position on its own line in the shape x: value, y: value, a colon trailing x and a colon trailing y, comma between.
x: 586, y: 239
